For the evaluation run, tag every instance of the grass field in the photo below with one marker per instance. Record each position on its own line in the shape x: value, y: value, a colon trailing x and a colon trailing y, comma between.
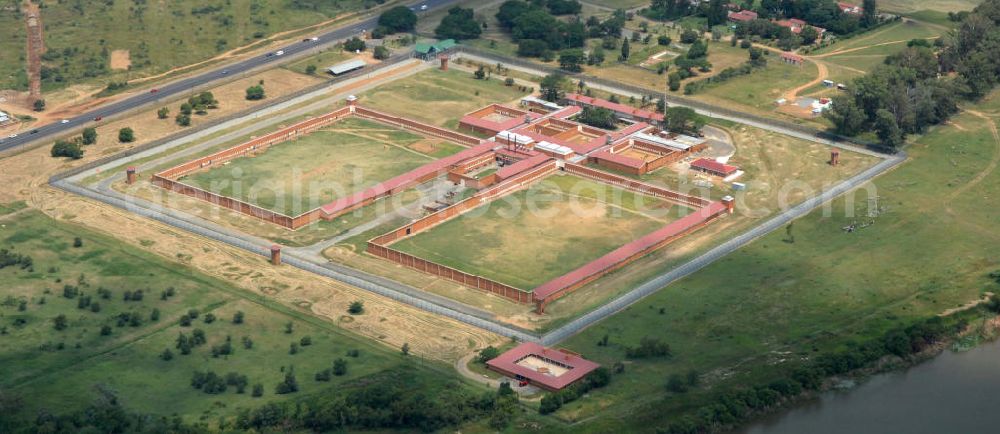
x: 742, y: 319
x: 525, y: 240
x: 321, y: 61
x: 62, y: 370
x: 158, y: 35
x: 935, y: 5
x: 761, y: 88
x: 336, y: 161
x: 438, y: 97
x: 896, y: 34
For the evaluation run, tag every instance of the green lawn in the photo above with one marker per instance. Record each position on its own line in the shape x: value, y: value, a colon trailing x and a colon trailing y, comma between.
x: 747, y: 317
x: 438, y: 97
x: 61, y: 371
x: 896, y: 34
x: 295, y: 177
x: 321, y: 61
x: 762, y: 87
x: 535, y: 235
x: 80, y: 35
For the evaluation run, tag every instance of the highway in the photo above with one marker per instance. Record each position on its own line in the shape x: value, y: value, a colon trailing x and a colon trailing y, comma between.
x: 181, y: 87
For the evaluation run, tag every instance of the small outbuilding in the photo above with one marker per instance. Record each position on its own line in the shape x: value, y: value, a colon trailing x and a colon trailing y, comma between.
x: 345, y: 67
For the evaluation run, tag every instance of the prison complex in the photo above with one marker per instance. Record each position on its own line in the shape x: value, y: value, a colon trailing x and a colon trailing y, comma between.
x: 526, y: 145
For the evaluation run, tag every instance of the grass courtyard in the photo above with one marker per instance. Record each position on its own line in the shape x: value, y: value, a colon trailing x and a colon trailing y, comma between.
x: 336, y: 161
x: 543, y: 232
x: 64, y: 370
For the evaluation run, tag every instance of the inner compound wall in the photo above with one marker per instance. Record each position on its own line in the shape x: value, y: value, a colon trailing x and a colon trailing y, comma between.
x: 569, y: 282
x: 168, y: 179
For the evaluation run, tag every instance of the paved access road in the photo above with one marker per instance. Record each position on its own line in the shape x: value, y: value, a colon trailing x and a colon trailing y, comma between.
x: 181, y: 87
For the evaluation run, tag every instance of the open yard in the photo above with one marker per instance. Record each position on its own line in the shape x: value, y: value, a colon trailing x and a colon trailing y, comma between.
x: 535, y: 235
x: 439, y: 97
x: 298, y: 176
x: 122, y: 308
x: 814, y: 287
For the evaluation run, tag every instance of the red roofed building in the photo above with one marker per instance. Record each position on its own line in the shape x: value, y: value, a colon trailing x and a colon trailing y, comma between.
x: 547, y: 368
x: 742, y: 16
x: 796, y: 25
x: 713, y: 167
x: 791, y: 58
x: 850, y: 8
x: 622, y: 110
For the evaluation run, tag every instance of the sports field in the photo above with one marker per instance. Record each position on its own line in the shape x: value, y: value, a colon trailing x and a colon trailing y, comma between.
x: 535, y: 235
x: 336, y: 161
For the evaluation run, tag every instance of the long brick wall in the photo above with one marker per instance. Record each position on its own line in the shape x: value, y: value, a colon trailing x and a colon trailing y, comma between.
x: 168, y: 179
x: 640, y: 187
x: 380, y: 246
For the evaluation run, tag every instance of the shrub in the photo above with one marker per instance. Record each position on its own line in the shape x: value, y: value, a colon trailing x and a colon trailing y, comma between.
x: 356, y: 308
x: 63, y: 148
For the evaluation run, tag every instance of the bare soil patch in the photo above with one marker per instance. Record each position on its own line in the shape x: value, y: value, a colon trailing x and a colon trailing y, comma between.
x: 120, y: 59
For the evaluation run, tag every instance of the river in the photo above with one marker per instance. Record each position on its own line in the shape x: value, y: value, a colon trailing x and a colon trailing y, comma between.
x: 953, y: 393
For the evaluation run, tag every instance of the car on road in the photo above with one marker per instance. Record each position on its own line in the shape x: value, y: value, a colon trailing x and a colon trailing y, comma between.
x: 64, y: 121
x: 225, y: 71
x: 423, y: 7
x: 12, y: 136
x: 279, y: 52
x: 154, y: 90
x: 98, y: 119
x: 33, y: 132
x: 312, y: 39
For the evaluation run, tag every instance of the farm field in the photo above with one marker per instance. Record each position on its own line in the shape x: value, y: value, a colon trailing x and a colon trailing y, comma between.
x: 65, y: 370
x: 524, y: 239
x: 336, y: 161
x: 815, y: 284
x: 155, y: 37
x: 438, y: 97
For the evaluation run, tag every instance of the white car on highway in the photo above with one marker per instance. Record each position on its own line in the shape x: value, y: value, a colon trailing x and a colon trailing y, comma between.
x: 64, y: 121
x: 279, y: 52
x: 12, y: 136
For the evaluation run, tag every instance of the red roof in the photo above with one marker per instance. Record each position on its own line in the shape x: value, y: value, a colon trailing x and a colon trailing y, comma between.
x: 791, y: 56
x: 742, y: 16
x: 615, y: 107
x: 520, y: 166
x: 714, y: 166
x: 406, y: 178
x: 622, y: 253
x: 578, y: 366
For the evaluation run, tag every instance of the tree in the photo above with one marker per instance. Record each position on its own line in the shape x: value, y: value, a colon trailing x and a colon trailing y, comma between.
x: 688, y: 36
x: 288, y: 385
x: 60, y: 322
x: 167, y: 355
x: 676, y: 384
x: 186, y: 108
x: 597, y: 117
x: 809, y: 35
x: 459, y: 24
x: 674, y: 81
x: 684, y: 120
x: 183, y: 119
x: 162, y: 113
x: 405, y: 349
x: 39, y: 105
x: 63, y: 148
x: 258, y: 390
x: 554, y: 86
x: 356, y: 307
x: 398, y: 19
x: 89, y: 136
x: 381, y: 52
x: 126, y: 135
x: 289, y: 328
x: 888, y: 130
x: 354, y: 44
x: 339, y: 367
x: 255, y: 92
x: 625, y: 50
x: 564, y: 7
x: 869, y: 14
x: 847, y: 117
x: 311, y: 69
x: 571, y: 59
x: 716, y: 12
x: 663, y: 40
x: 480, y: 73
x: 238, y: 317
x: 77, y: 242
x: 757, y: 58
x: 487, y: 354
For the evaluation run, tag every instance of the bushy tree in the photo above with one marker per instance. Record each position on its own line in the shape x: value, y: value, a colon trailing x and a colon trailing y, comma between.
x: 89, y: 136
x: 356, y: 307
x: 398, y: 19
x: 354, y: 44
x: 126, y: 135
x: 63, y: 148
x: 459, y: 24
x: 163, y: 113
x: 572, y: 59
x: 255, y: 93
